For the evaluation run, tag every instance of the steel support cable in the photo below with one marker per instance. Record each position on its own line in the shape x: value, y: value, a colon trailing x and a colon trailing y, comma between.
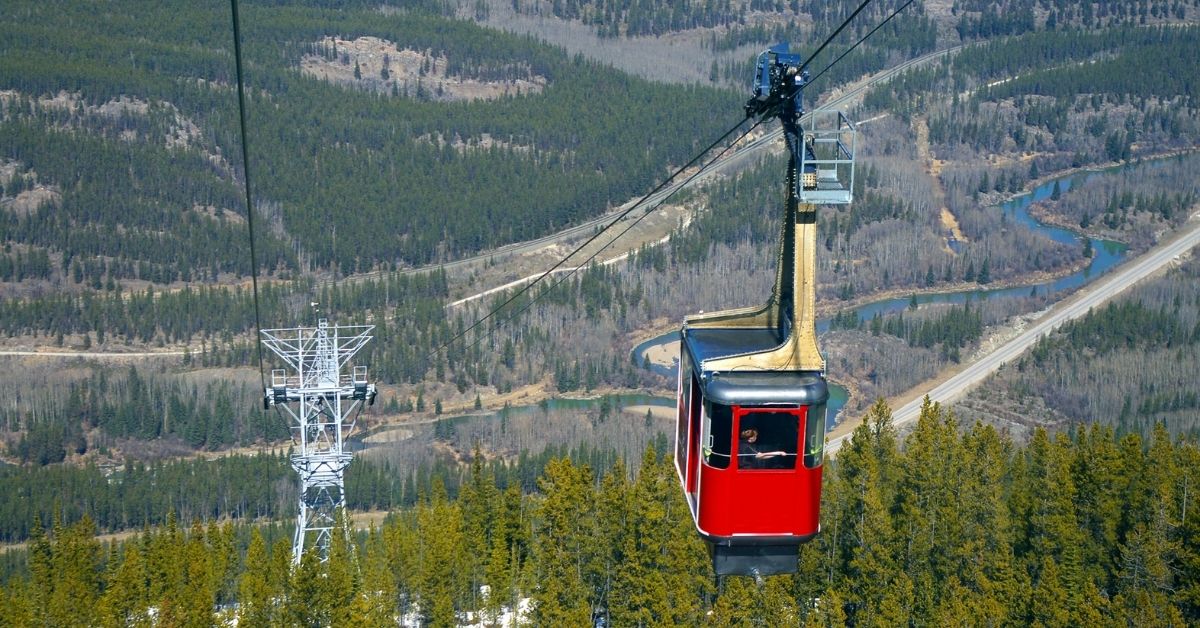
x: 856, y: 44
x: 835, y: 33
x: 237, y: 56
x: 631, y: 225
x: 529, y: 286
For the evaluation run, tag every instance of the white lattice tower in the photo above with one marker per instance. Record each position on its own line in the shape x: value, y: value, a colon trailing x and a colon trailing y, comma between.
x: 321, y: 404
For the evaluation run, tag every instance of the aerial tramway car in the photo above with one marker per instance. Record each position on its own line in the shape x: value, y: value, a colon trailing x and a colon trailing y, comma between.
x: 752, y: 391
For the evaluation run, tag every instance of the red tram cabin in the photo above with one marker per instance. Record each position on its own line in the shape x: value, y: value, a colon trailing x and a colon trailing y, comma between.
x: 748, y: 451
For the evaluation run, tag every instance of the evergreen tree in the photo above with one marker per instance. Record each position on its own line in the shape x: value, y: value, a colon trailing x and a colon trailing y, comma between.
x: 735, y: 606
x: 279, y: 577
x: 342, y: 579
x: 163, y: 568
x: 983, y: 558
x: 309, y: 603
x: 196, y: 598
x: 256, y: 595
x: 477, y: 500
x: 827, y: 611
x: 75, y: 573
x: 1048, y: 604
x: 662, y: 575
x: 1044, y: 500
x: 613, y: 509
x: 500, y: 578
x: 16, y: 607
x: 561, y: 544
x: 1187, y: 596
x: 1096, y: 473
x: 881, y: 592
x: 375, y: 603
x: 401, y: 556
x: 125, y: 602
x: 442, y: 573
x: 41, y: 568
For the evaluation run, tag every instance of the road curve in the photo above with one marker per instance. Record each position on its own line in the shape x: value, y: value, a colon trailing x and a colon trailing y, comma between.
x: 1074, y: 307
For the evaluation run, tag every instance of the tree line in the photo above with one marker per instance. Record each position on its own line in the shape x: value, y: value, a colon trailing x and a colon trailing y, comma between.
x: 989, y: 18
x: 944, y: 526
x: 245, y: 488
x: 1135, y: 204
x: 950, y: 330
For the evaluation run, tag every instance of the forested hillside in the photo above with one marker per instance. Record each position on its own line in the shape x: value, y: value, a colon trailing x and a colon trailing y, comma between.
x: 986, y: 18
x: 948, y: 527
x: 1056, y: 99
x: 575, y: 338
x: 119, y: 167
x: 760, y: 21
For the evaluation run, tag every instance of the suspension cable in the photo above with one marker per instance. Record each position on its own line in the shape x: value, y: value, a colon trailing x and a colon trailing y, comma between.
x: 237, y: 55
x: 631, y: 225
x: 861, y: 40
x: 527, y: 287
x: 832, y: 35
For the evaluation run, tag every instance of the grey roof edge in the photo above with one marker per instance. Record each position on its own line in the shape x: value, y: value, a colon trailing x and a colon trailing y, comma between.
x: 802, y: 388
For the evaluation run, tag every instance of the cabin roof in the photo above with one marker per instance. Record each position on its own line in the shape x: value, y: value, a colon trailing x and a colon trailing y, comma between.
x: 749, y: 387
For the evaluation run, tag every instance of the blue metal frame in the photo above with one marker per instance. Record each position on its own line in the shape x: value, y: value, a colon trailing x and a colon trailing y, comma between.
x: 822, y: 155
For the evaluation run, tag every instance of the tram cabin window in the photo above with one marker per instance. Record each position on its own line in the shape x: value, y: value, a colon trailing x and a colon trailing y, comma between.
x: 767, y: 440
x: 718, y: 432
x: 683, y: 420
x: 814, y: 436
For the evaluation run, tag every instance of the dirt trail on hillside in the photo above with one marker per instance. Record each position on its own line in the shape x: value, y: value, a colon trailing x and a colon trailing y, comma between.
x: 933, y: 167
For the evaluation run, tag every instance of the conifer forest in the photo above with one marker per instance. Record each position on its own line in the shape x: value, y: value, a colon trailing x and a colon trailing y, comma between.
x: 455, y: 174
x: 944, y: 526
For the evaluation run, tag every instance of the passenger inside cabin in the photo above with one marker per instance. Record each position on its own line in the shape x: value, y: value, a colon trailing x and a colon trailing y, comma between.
x: 751, y: 454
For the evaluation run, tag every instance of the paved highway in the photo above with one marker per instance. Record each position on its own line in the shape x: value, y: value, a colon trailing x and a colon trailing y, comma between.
x: 1076, y: 306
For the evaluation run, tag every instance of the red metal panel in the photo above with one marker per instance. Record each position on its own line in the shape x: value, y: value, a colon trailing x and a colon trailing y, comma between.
x: 760, y: 501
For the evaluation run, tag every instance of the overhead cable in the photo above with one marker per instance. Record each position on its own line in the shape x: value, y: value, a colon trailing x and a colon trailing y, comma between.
x: 527, y: 287
x: 861, y: 40
x: 237, y: 56
x: 631, y: 225
x: 832, y: 35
